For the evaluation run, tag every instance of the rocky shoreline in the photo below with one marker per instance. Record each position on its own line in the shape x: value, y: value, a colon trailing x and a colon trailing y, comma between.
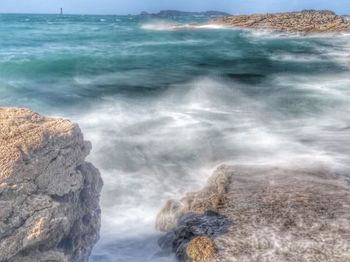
x: 261, y: 213
x: 49, y: 194
x: 307, y: 21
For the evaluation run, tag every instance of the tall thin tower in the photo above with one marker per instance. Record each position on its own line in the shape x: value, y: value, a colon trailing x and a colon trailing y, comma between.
x: 61, y: 11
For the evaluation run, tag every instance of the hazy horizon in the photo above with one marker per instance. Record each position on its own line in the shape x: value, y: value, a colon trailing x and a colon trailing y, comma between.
x: 119, y: 7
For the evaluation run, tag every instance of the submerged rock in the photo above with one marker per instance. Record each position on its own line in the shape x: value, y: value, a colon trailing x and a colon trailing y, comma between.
x: 194, y: 216
x: 307, y: 21
x: 49, y: 195
x: 275, y: 214
x: 191, y: 226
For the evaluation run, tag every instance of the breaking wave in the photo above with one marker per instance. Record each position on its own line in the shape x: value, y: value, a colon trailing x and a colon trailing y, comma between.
x: 170, y: 26
x: 162, y: 109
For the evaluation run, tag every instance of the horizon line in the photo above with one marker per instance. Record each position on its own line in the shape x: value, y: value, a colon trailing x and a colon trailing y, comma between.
x: 151, y: 13
x: 131, y: 13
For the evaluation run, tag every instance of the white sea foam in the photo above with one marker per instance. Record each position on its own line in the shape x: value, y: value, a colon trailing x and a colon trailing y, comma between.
x: 144, y: 148
x: 170, y: 26
x: 155, y: 147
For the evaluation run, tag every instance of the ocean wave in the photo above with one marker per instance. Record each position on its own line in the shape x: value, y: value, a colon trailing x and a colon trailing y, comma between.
x: 143, y: 147
x: 162, y: 110
x: 266, y: 33
x: 169, y: 26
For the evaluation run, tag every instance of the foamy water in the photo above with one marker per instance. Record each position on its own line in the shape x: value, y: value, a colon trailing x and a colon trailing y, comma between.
x: 164, y: 105
x: 159, y: 25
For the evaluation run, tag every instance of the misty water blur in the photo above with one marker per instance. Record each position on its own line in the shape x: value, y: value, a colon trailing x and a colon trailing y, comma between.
x: 164, y: 103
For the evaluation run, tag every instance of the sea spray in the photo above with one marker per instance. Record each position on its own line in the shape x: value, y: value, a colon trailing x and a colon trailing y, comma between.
x: 163, y: 108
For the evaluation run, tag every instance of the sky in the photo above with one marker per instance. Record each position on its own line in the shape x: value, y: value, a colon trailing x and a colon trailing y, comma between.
x: 136, y: 6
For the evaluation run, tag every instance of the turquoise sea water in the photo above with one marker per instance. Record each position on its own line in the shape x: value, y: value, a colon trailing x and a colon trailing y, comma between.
x: 166, y: 100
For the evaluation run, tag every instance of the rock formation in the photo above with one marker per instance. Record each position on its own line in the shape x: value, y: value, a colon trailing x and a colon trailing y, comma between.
x: 307, y: 21
x: 274, y: 214
x: 49, y: 195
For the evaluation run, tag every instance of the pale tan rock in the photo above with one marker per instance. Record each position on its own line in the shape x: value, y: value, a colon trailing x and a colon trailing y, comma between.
x: 200, y: 249
x: 49, y: 195
x: 209, y: 198
x: 308, y: 21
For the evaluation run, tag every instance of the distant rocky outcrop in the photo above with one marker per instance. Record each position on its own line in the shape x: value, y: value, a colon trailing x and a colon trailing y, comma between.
x: 261, y: 213
x: 182, y: 13
x: 307, y: 21
x: 49, y: 195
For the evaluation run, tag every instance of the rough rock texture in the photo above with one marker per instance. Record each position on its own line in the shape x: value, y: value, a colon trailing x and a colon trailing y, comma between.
x: 209, y: 198
x: 200, y: 249
x: 190, y: 226
x: 307, y: 21
x: 49, y: 196
x: 275, y: 214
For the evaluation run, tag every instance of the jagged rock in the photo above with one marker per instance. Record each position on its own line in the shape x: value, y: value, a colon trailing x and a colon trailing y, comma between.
x: 49, y: 195
x: 307, y: 21
x: 209, y: 198
x: 189, y: 227
x: 275, y: 214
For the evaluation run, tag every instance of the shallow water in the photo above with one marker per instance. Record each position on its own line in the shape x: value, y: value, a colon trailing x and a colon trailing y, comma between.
x: 165, y: 101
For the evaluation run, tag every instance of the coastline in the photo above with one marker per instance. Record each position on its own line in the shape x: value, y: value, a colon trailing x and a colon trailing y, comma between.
x: 162, y: 105
x: 305, y: 22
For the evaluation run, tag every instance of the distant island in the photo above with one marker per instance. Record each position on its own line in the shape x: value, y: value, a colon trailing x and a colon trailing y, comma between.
x: 182, y: 13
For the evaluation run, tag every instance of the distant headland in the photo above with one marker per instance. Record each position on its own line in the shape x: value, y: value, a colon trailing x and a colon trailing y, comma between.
x: 182, y: 13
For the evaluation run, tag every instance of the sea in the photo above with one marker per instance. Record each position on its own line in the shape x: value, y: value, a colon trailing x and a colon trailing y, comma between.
x: 164, y: 101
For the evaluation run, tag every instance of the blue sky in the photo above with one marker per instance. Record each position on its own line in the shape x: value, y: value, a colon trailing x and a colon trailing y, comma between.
x: 136, y: 6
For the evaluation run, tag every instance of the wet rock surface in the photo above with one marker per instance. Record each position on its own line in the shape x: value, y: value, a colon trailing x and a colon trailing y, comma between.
x: 49, y: 194
x: 208, y: 199
x: 307, y: 21
x: 190, y: 226
x: 274, y: 214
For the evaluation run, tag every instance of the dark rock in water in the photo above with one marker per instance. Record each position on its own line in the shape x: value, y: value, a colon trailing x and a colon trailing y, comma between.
x: 190, y: 226
x: 210, y: 223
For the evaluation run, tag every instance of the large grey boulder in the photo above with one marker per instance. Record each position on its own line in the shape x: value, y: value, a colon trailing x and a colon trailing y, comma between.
x: 49, y: 195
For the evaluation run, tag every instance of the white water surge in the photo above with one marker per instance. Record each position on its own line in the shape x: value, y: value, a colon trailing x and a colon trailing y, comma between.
x: 161, y: 147
x: 162, y: 25
x: 164, y: 105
